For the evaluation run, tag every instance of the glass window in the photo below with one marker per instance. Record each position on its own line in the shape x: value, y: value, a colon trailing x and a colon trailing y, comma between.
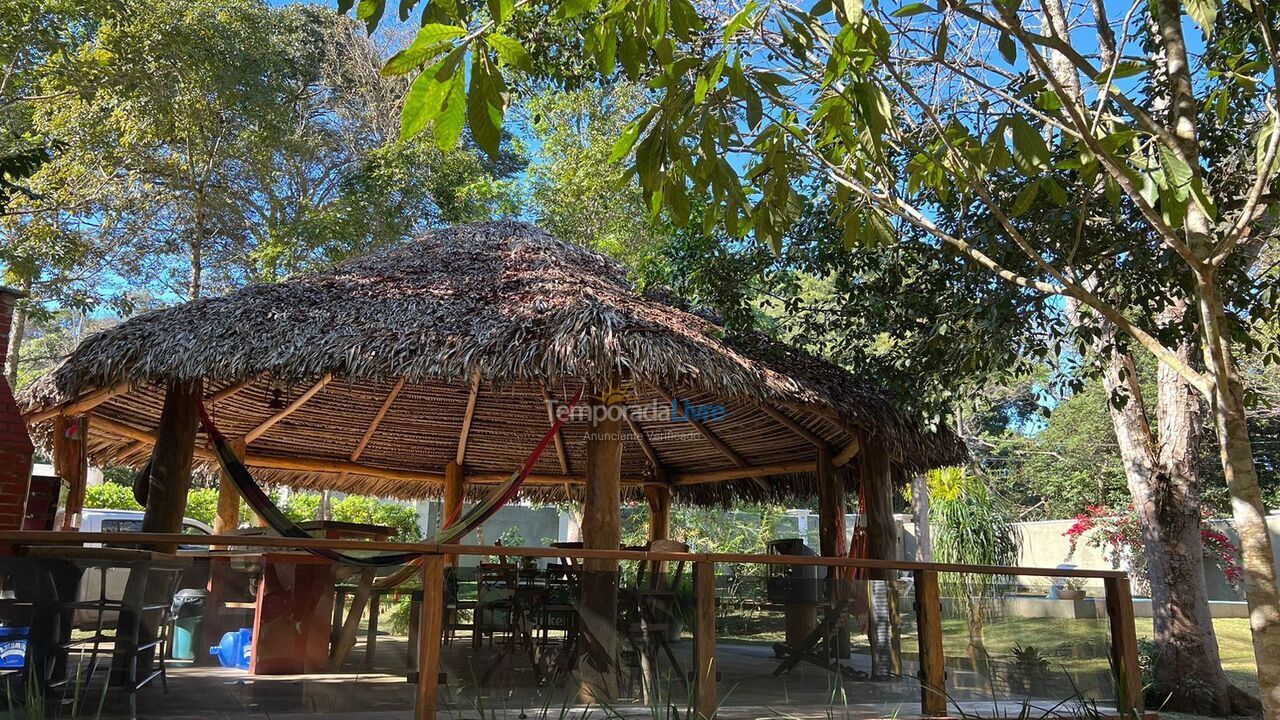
x: 121, y: 526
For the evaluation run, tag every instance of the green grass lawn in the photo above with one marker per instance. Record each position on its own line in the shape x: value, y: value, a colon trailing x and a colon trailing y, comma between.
x: 1001, y: 635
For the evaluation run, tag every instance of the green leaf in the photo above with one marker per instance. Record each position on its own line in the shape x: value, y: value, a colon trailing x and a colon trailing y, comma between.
x: 940, y: 40
x: 1030, y: 152
x: 500, y: 10
x: 1055, y: 191
x: 429, y: 42
x: 405, y: 7
x: 1177, y: 174
x: 422, y: 102
x: 1260, y: 150
x: 510, y: 51
x: 739, y: 20
x: 453, y: 112
x: 626, y: 140
x: 1025, y: 198
x: 486, y: 104
x: 1008, y: 48
x: 1124, y: 69
x: 913, y: 9
x: 370, y: 11
x: 1204, y: 12
x: 677, y: 197
x: 852, y: 11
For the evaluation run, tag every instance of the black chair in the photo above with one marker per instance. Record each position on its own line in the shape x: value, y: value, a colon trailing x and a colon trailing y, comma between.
x: 136, y: 623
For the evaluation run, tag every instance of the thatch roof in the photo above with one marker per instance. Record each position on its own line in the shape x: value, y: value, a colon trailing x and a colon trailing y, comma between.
x: 505, y: 302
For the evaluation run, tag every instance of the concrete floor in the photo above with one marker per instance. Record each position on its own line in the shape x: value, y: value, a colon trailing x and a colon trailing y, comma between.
x: 489, y: 684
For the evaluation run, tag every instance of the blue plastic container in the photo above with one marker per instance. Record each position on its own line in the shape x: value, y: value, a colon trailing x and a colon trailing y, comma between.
x: 13, y: 647
x: 235, y: 649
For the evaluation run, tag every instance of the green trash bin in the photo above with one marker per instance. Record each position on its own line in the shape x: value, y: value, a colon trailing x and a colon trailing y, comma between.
x: 188, y: 612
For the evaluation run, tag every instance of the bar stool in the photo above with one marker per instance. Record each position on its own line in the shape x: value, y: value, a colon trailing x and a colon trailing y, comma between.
x: 144, y: 604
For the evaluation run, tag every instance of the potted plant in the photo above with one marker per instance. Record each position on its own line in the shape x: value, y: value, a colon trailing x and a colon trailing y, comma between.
x: 1072, y: 589
x: 1030, y: 670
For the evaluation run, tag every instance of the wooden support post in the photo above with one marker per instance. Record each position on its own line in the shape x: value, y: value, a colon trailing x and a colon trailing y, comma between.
x: 659, y: 497
x: 933, y: 674
x: 920, y: 517
x: 346, y: 639
x: 882, y: 544
x: 832, y: 542
x: 228, y: 517
x: 831, y: 508
x: 1124, y: 647
x: 705, y: 698
x: 71, y: 463
x: 430, y: 625
x: 601, y: 530
x: 454, y: 488
x: 171, y: 461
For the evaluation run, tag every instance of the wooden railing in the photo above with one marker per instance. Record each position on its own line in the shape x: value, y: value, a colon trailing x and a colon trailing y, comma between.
x: 928, y: 607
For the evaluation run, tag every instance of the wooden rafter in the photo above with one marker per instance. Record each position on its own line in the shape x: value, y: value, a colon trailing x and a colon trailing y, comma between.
x: 843, y: 457
x: 795, y: 427
x: 461, y: 455
x: 82, y: 404
x: 270, y: 422
x: 270, y: 462
x: 561, y: 454
x: 377, y: 420
x: 719, y: 444
x: 710, y: 476
x: 643, y: 440
x: 229, y: 391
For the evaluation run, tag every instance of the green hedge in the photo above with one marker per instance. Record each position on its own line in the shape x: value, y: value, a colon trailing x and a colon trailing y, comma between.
x: 202, y: 505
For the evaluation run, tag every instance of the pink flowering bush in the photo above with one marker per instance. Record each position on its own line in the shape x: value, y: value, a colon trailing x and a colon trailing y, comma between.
x: 1118, y: 535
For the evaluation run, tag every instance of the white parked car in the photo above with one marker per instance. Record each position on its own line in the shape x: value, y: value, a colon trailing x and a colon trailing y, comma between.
x: 123, y: 521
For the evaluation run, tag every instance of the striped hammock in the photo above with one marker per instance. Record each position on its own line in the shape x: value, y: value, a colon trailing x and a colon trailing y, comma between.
x: 455, y: 527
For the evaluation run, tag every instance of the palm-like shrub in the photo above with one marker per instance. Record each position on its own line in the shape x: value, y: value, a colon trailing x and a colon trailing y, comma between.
x: 972, y: 525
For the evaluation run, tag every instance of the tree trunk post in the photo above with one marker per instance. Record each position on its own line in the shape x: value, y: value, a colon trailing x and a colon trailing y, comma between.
x: 454, y: 488
x: 706, y: 700
x: 882, y: 544
x: 933, y: 672
x: 659, y: 497
x: 1124, y: 647
x: 601, y: 530
x: 832, y: 539
x: 228, y: 518
x: 430, y: 627
x: 920, y: 516
x: 71, y: 461
x: 171, y: 461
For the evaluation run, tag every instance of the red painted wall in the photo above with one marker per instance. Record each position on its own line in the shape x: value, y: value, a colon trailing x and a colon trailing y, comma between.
x: 16, y: 449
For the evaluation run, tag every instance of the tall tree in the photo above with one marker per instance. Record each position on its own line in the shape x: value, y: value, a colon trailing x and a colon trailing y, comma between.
x: 753, y: 104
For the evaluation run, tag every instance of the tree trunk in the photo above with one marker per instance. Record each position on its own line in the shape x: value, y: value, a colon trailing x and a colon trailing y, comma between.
x: 197, y: 269
x: 1165, y: 488
x: 171, y: 461
x: 17, y: 334
x: 1247, y: 509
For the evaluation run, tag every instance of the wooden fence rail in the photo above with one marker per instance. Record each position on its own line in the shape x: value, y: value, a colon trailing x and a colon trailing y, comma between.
x: 928, y: 606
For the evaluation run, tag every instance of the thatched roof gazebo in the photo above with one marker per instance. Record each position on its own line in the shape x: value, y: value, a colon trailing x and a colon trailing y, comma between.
x: 431, y: 368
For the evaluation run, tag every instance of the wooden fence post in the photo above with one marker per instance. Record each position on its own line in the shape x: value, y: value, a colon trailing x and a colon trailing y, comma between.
x: 933, y: 673
x: 705, y: 701
x: 429, y: 636
x: 1124, y: 647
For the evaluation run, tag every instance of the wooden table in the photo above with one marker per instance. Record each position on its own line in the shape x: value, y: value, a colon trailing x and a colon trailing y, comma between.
x: 294, y: 604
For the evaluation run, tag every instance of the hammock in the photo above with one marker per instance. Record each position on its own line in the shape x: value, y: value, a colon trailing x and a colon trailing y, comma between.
x: 453, y: 528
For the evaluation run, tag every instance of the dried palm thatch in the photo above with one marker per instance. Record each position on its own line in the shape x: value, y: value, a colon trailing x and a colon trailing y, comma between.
x: 394, y: 364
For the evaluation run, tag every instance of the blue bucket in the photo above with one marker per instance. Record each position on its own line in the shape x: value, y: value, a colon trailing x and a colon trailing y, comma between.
x: 13, y: 647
